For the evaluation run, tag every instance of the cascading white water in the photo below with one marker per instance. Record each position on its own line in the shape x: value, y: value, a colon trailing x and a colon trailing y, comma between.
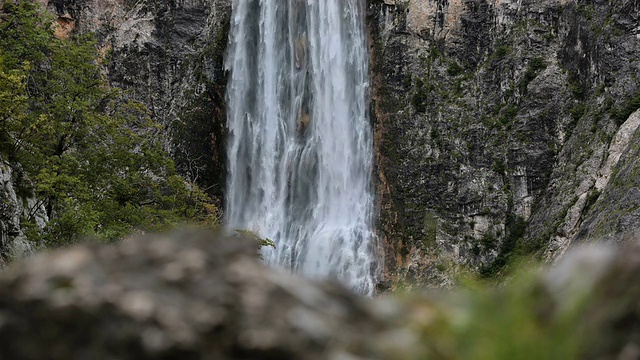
x: 300, y: 143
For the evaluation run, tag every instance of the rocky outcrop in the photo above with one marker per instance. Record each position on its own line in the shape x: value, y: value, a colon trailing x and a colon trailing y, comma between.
x: 612, y: 206
x: 494, y: 120
x: 194, y: 295
x: 168, y: 55
x: 186, y: 296
x: 19, y: 212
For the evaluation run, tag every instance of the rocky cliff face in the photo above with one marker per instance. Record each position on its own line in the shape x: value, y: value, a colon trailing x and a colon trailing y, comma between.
x: 502, y: 126
x: 168, y: 55
x: 15, y: 207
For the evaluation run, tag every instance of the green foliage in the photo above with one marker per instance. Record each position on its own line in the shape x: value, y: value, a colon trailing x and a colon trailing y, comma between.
x: 508, y: 324
x: 576, y: 88
x: 499, y: 167
x: 430, y: 230
x: 488, y: 241
x: 593, y: 196
x: 92, y: 158
x: 262, y: 242
x: 536, y: 65
x: 454, y: 69
x: 502, y: 51
x: 622, y: 113
x: 516, y: 227
x: 521, y: 318
x: 420, y: 97
x: 578, y: 111
x: 509, y: 113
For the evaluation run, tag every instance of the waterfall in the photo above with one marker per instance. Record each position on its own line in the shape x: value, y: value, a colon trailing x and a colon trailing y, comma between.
x: 300, y: 140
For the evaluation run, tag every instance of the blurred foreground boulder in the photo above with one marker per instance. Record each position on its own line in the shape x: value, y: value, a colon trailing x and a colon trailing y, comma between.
x: 195, y: 295
x: 189, y: 295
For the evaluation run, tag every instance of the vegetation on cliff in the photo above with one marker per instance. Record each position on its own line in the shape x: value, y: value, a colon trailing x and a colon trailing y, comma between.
x: 92, y: 159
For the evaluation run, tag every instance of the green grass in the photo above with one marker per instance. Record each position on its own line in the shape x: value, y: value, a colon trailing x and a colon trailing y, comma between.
x: 482, y: 321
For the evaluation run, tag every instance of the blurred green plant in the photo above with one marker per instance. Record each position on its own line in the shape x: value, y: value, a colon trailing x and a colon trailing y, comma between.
x: 481, y: 321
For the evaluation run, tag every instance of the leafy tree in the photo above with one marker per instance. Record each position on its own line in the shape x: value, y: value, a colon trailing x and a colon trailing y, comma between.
x: 92, y: 158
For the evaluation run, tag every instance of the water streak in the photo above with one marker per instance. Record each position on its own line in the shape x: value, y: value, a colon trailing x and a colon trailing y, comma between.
x: 300, y: 143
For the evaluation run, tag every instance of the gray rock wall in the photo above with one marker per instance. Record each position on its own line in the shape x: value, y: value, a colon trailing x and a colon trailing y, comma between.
x: 19, y: 212
x: 493, y: 123
x: 168, y: 55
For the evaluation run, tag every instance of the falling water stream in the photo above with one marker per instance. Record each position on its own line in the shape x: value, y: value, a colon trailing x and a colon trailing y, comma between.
x: 300, y: 143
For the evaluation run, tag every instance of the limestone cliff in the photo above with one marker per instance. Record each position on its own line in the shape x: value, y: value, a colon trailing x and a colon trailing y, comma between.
x: 499, y: 125
x: 168, y: 55
x: 16, y: 206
